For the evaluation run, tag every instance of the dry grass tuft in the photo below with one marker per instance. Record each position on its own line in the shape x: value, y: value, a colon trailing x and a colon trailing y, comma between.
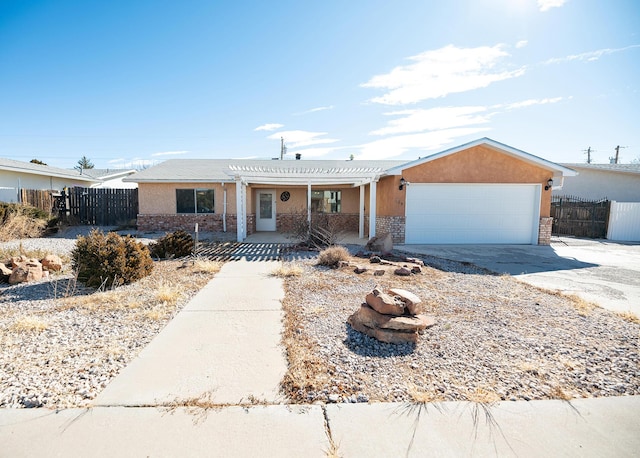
x: 287, y: 270
x: 30, y: 323
x: 167, y: 294
x: 421, y: 396
x: 483, y: 396
x: 557, y: 392
x: 207, y: 267
x: 584, y: 308
x: 629, y: 316
x: 19, y: 225
x: 331, y: 256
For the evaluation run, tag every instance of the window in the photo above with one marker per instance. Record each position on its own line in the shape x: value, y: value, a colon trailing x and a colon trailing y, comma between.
x: 194, y: 201
x: 326, y: 201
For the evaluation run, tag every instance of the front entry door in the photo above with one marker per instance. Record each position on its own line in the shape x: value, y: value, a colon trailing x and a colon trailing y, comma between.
x: 266, y: 210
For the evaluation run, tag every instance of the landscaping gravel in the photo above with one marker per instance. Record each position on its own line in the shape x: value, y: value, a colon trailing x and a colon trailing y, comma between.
x: 495, y: 338
x: 60, y: 343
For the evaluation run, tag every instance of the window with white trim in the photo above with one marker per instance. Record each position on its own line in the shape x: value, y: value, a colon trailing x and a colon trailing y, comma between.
x: 194, y: 201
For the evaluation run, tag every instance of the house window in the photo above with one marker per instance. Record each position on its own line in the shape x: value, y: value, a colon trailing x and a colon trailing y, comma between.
x: 326, y: 201
x: 194, y: 201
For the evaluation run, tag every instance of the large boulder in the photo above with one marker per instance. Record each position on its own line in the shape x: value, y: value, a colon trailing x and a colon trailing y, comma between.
x: 5, y: 272
x: 52, y: 263
x: 384, y: 303
x: 381, y: 244
x: 412, y: 303
x: 372, y: 319
x: 383, y: 335
x: 31, y: 270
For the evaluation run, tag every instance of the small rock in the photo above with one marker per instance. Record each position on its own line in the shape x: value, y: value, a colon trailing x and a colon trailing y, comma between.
x: 374, y: 260
x: 402, y: 271
x: 416, y: 270
x: 379, y: 272
x: 334, y: 397
x: 381, y: 244
x: 52, y: 262
x: 384, y: 303
x: 360, y: 269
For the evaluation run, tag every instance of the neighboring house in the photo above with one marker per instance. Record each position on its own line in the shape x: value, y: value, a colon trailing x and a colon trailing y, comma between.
x: 479, y: 192
x: 16, y: 175
x: 619, y: 182
x: 110, y: 178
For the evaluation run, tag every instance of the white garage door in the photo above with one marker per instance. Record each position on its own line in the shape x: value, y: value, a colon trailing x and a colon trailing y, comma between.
x: 472, y: 213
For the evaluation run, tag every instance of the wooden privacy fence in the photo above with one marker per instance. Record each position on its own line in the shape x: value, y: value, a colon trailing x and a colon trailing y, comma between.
x: 40, y: 199
x: 98, y: 206
x: 579, y: 217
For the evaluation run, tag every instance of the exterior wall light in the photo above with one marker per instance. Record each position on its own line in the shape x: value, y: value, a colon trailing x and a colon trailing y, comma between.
x: 549, y: 184
x: 403, y: 182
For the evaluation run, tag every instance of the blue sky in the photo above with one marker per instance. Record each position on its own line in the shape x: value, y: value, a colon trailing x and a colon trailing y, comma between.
x: 130, y: 83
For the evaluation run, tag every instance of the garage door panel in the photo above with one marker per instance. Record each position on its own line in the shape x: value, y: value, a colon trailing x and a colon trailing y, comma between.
x: 471, y: 213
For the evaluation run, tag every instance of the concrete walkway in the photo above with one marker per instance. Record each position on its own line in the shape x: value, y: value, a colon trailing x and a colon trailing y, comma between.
x: 224, y: 346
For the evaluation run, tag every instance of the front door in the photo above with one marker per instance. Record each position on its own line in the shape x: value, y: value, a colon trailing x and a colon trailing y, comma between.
x: 266, y: 210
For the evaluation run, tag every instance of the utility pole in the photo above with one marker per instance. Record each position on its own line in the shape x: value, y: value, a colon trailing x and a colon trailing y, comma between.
x: 283, y: 149
x: 617, y: 158
x: 588, y: 151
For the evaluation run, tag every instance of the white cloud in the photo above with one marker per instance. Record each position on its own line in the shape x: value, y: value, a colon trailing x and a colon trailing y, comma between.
x: 269, y: 127
x: 522, y: 44
x: 169, y: 153
x: 299, y: 138
x: 390, y: 147
x: 530, y: 102
x: 589, y: 56
x: 440, y: 72
x: 546, y: 5
x: 439, y: 118
x: 315, y: 110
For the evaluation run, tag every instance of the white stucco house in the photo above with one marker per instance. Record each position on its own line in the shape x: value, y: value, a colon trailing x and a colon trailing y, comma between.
x: 619, y: 182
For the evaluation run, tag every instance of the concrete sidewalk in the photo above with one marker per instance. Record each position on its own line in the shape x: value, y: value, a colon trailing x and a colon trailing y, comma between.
x: 224, y: 346
x: 604, y: 427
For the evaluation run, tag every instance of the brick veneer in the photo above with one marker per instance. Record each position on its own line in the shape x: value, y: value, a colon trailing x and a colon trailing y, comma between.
x: 187, y: 222
x: 395, y: 225
x: 347, y: 222
x: 544, y: 231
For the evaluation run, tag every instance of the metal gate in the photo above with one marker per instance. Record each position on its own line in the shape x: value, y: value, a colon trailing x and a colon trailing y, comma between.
x: 580, y: 217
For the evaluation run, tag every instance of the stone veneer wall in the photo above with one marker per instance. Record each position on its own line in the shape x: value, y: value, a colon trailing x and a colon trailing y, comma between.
x: 544, y: 232
x: 395, y: 225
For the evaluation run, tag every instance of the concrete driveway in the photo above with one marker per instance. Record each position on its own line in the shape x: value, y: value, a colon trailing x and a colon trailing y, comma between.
x: 600, y: 271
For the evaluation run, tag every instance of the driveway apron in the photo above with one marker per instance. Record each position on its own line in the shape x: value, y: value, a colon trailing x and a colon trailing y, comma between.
x: 223, y: 347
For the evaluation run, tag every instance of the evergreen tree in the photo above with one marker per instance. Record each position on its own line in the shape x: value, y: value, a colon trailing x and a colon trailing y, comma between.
x: 84, y: 163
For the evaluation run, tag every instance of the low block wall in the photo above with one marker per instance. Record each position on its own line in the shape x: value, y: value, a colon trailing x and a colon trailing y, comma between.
x: 395, y: 225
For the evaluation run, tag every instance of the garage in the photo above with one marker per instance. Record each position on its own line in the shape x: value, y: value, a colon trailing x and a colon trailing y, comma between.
x: 470, y: 213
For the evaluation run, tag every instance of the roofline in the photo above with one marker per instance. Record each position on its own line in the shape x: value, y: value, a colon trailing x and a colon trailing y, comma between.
x: 174, y: 180
x: 49, y: 173
x: 595, y: 168
x: 494, y: 144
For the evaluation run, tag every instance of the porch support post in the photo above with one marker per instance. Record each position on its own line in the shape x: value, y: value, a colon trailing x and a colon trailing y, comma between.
x: 309, y: 204
x: 241, y: 216
x: 372, y: 208
x: 361, y: 222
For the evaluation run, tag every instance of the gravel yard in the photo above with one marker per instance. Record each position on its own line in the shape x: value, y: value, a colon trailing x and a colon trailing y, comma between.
x: 495, y: 338
x: 60, y: 343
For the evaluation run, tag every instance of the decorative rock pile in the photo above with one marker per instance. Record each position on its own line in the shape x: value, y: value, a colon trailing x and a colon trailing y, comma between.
x: 21, y: 269
x: 393, y: 316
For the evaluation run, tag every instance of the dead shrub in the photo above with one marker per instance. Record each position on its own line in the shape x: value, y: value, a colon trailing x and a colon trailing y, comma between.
x: 21, y: 221
x: 331, y: 256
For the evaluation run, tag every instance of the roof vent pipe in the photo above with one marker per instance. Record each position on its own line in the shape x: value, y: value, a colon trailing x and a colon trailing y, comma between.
x: 298, y: 156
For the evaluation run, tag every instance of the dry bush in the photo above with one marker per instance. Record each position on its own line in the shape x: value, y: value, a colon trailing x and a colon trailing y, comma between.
x: 557, y: 392
x: 420, y: 396
x: 483, y: 396
x: 167, y: 294
x: 21, y: 221
x: 287, y: 270
x: 206, y: 266
x: 333, y: 255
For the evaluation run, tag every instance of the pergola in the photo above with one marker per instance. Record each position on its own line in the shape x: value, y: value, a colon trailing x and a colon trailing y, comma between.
x: 300, y: 175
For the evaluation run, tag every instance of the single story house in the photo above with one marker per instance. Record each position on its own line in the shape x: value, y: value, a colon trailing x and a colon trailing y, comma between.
x: 17, y: 175
x: 619, y: 182
x: 111, y: 178
x: 480, y: 192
